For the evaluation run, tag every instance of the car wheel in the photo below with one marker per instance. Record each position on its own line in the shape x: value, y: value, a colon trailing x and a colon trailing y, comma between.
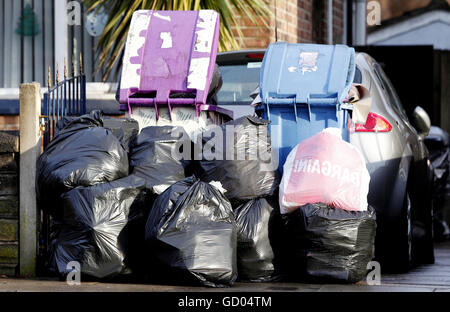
x: 393, y: 246
x: 409, y: 226
x: 422, y: 243
x: 422, y: 220
x: 405, y: 236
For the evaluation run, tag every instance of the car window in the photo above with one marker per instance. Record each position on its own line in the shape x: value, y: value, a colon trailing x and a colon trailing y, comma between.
x: 239, y: 81
x: 358, y: 76
x: 389, y: 89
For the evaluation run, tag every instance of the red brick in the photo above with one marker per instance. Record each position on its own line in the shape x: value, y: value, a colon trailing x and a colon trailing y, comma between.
x: 291, y: 19
x: 9, y: 122
x: 10, y: 127
x: 294, y: 24
x: 338, y: 14
x: 246, y: 21
x: 308, y: 6
x: 254, y: 31
x: 256, y: 43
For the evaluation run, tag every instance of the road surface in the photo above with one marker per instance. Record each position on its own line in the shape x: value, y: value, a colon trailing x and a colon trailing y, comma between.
x: 427, y: 278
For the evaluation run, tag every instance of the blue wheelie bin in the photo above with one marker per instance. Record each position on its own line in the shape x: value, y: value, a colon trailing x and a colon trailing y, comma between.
x: 303, y: 88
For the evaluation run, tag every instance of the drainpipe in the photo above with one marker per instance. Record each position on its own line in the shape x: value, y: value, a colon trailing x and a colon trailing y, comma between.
x: 330, y: 21
x: 344, y: 25
x: 349, y: 21
x: 360, y: 22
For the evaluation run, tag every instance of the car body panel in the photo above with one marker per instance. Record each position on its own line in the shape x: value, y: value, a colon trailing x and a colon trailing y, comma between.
x: 388, y: 155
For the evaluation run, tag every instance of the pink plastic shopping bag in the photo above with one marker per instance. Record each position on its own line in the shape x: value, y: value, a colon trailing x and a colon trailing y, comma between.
x: 325, y: 169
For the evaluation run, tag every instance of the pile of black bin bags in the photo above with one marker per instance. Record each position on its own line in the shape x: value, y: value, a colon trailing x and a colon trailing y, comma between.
x: 93, y: 228
x: 82, y: 153
x: 83, y: 183
x: 212, y: 228
x: 123, y: 204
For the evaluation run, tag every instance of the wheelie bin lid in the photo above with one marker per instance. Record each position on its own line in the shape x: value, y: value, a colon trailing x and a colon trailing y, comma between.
x: 169, y: 52
x: 306, y: 73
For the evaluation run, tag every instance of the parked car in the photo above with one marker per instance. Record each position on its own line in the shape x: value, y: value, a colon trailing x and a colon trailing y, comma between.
x: 394, y: 150
x: 240, y: 74
x: 438, y: 144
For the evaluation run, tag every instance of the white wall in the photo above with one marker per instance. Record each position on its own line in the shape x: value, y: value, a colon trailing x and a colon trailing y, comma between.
x: 432, y: 28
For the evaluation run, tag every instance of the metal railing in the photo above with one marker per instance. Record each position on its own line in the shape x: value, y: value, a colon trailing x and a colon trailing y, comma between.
x: 65, y: 98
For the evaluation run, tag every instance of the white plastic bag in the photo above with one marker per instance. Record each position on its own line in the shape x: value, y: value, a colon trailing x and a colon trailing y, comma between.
x: 325, y: 169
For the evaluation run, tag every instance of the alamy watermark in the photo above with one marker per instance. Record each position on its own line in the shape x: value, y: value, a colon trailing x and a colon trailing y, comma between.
x: 373, y: 13
x: 95, y: 20
x: 74, y: 276
x: 227, y: 143
x: 374, y: 275
x: 73, y: 13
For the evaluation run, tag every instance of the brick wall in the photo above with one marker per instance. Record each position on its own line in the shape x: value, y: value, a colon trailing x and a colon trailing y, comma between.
x: 319, y: 21
x: 338, y: 21
x: 297, y: 21
x: 9, y: 122
x: 256, y: 36
x: 9, y: 202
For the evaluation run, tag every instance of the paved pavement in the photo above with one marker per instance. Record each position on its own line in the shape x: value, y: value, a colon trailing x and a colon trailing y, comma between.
x: 428, y: 278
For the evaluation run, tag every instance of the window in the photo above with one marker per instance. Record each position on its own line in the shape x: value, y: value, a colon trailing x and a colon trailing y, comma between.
x: 358, y: 76
x: 389, y: 89
x: 239, y: 81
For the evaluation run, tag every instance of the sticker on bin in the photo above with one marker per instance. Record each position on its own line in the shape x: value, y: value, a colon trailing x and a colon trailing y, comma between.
x: 308, y: 61
x: 325, y: 169
x: 167, y: 40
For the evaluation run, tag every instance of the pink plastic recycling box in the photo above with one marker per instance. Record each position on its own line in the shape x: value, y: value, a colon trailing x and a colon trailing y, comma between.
x: 169, y: 58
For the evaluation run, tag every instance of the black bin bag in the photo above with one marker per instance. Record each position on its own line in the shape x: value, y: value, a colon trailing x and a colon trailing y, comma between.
x: 152, y: 157
x: 82, y: 153
x: 93, y: 229
x: 125, y: 129
x: 243, y: 162
x: 320, y: 243
x: 255, y: 257
x: 191, y: 236
x: 93, y: 119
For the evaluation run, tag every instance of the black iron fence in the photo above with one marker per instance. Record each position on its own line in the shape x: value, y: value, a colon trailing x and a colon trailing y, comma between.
x: 65, y: 98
